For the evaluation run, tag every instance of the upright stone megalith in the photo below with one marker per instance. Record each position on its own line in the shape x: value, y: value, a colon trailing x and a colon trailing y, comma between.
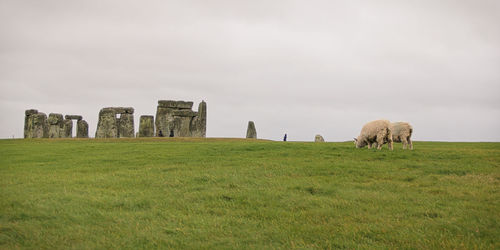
x: 67, y: 128
x: 251, y: 131
x: 111, y: 126
x: 107, y: 126
x: 199, y: 124
x: 35, y: 124
x: 319, y: 138
x: 82, y: 129
x: 177, y: 119
x: 56, y: 125
x: 146, y: 126
x: 126, y: 125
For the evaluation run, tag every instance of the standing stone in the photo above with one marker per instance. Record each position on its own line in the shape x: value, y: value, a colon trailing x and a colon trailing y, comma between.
x: 82, y: 129
x: 56, y: 125
x: 35, y: 124
x: 199, y: 125
x: 107, y: 126
x: 40, y: 126
x: 251, y: 131
x: 319, y: 138
x: 146, y: 126
x: 126, y: 125
x: 28, y: 122
x: 67, y: 128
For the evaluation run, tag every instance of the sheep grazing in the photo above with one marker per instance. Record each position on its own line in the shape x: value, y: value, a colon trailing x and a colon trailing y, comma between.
x: 378, y: 131
x: 401, y: 132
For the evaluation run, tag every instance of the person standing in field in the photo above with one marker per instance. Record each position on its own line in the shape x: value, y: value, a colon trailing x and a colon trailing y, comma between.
x: 284, y: 138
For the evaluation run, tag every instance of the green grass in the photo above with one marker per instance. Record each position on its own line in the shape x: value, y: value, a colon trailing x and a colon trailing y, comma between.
x: 230, y: 193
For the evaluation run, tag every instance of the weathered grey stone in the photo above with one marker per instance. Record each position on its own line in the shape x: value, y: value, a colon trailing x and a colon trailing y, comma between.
x: 56, y: 125
x: 251, y: 131
x: 107, y: 126
x: 111, y: 126
x: 35, y: 124
x: 175, y: 104
x: 40, y: 126
x: 82, y: 129
x: 117, y: 110
x: 319, y: 138
x: 184, y: 113
x: 55, y: 119
x: 199, y: 124
x: 126, y: 125
x: 163, y: 121
x: 67, y: 129
x: 73, y: 117
x: 182, y: 126
x: 30, y: 112
x: 124, y: 110
x: 176, y: 119
x: 28, y: 122
x: 146, y: 126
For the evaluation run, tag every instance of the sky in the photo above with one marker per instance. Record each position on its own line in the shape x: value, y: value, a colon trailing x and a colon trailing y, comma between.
x: 296, y: 67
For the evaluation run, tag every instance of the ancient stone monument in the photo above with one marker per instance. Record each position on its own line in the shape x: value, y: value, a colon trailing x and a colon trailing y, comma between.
x: 82, y: 129
x: 67, y: 128
x: 56, y: 125
x: 35, y: 124
x: 251, y: 131
x: 177, y: 119
x: 112, y: 126
x: 146, y: 126
x: 319, y: 138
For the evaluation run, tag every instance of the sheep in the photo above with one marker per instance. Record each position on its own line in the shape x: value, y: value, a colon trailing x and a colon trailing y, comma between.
x: 401, y: 132
x: 378, y: 131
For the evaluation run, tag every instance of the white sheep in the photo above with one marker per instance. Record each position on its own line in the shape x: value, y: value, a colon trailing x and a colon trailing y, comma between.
x: 401, y: 132
x: 378, y: 131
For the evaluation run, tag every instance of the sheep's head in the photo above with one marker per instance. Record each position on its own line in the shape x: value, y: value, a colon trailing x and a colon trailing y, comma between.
x: 359, y: 143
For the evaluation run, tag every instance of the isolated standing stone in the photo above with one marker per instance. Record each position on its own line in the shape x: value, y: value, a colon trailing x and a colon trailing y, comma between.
x: 319, y: 138
x: 82, y: 129
x: 251, y: 131
x: 146, y: 126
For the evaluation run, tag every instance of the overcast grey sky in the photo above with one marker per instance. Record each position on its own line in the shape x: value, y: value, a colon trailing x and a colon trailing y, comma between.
x: 296, y: 67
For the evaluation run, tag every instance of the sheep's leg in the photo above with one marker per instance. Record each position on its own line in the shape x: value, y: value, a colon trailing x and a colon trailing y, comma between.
x: 380, y: 142
x: 411, y: 143
x: 389, y: 139
x: 405, y: 143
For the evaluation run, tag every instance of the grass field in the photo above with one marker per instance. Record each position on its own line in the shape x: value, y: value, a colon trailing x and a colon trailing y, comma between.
x: 231, y: 193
